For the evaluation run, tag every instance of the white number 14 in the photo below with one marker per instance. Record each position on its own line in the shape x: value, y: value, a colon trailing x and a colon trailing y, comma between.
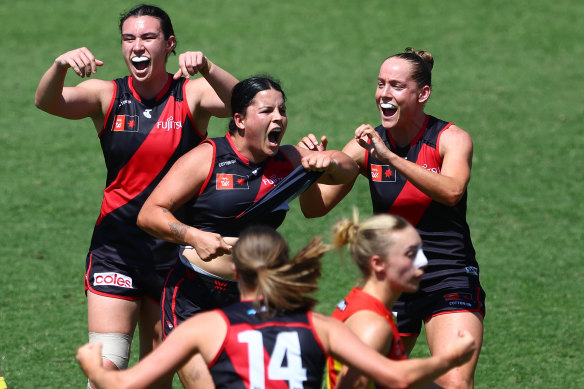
x: 287, y: 348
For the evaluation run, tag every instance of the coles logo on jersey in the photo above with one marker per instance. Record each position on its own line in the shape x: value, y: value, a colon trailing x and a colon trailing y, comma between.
x: 112, y: 279
x: 382, y: 173
x: 231, y: 181
x: 127, y: 123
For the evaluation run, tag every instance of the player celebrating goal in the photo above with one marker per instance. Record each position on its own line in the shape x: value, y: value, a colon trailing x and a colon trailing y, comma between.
x: 145, y: 122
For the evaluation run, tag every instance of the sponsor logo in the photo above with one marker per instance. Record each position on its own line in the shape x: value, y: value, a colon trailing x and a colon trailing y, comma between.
x: 382, y: 173
x: 124, y: 102
x: 112, y: 279
x: 221, y: 285
x: 126, y: 123
x: 459, y: 299
x: 146, y: 113
x: 230, y: 181
x: 169, y: 324
x: 169, y: 124
x: 272, y: 180
x: 342, y: 305
x: 432, y: 169
x: 472, y: 270
x: 226, y: 163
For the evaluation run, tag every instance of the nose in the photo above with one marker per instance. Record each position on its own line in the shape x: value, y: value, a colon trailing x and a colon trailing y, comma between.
x: 138, y: 45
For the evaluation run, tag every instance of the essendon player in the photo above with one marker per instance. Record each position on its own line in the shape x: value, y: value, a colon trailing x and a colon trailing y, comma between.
x: 215, y: 183
x: 428, y: 164
x: 144, y: 121
x: 271, y: 339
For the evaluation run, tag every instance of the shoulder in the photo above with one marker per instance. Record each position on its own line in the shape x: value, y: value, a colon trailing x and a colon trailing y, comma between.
x: 454, y: 137
x: 372, y: 328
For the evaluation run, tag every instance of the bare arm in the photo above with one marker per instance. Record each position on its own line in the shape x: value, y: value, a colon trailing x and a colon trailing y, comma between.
x: 343, y: 345
x: 87, y: 99
x: 319, y: 199
x: 375, y: 332
x: 212, y: 93
x: 450, y: 184
x: 183, y: 182
x: 202, y: 333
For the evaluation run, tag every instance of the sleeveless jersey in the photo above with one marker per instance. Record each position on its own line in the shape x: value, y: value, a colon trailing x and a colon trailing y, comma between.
x: 278, y: 352
x: 233, y: 184
x: 444, y: 230
x: 140, y: 139
x: 356, y: 301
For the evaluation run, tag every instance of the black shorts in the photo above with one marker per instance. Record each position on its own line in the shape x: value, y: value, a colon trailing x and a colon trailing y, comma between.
x: 111, y: 279
x: 187, y: 292
x: 412, y: 310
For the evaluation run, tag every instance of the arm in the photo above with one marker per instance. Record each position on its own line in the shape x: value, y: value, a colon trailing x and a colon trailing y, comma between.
x: 373, y: 330
x: 81, y: 101
x: 393, y: 374
x: 183, y: 182
x: 450, y: 184
x: 202, y: 333
x: 213, y: 93
x: 319, y: 199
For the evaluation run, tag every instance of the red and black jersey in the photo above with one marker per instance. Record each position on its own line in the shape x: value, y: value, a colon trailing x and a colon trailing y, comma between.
x: 232, y: 185
x: 444, y: 230
x: 140, y: 139
x: 278, y: 352
x: 356, y: 301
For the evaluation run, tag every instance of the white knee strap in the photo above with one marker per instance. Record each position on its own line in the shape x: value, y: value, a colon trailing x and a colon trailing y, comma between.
x: 114, y: 347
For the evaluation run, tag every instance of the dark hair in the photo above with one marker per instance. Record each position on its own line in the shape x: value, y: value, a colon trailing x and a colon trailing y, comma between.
x: 262, y: 259
x: 244, y: 92
x: 151, y: 10
x: 423, y: 63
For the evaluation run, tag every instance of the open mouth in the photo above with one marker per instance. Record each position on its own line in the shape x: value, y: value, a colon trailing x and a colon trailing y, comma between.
x: 275, y: 135
x: 140, y: 63
x: 388, y: 109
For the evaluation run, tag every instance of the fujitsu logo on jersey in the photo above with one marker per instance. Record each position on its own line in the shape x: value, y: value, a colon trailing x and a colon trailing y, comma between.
x: 113, y: 279
x: 272, y: 180
x: 169, y: 124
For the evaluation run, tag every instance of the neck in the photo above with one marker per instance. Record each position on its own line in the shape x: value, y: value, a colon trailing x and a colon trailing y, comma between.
x: 381, y: 290
x: 240, y: 143
x: 403, y: 136
x: 151, y: 88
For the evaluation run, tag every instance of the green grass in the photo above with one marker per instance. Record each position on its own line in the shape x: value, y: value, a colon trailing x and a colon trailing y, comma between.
x: 509, y: 73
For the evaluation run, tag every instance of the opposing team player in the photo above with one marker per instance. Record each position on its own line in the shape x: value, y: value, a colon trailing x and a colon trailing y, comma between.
x: 419, y: 167
x: 217, y: 182
x: 271, y: 339
x: 145, y: 122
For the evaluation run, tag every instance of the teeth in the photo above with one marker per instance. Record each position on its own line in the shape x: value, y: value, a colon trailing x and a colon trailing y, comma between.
x: 140, y: 59
x: 387, y: 106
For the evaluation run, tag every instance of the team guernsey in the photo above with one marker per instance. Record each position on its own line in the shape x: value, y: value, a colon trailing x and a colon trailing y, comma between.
x: 233, y: 183
x: 443, y: 229
x: 356, y: 301
x: 140, y: 139
x: 279, y: 351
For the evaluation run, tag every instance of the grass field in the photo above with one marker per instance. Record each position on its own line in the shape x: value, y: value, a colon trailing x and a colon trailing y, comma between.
x: 508, y: 72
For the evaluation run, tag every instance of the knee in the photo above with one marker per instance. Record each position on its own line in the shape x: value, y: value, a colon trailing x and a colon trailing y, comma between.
x: 115, y: 349
x: 455, y: 381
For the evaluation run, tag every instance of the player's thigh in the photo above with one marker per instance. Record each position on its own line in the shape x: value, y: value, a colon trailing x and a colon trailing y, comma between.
x: 111, y: 315
x: 441, y: 329
x: 149, y: 326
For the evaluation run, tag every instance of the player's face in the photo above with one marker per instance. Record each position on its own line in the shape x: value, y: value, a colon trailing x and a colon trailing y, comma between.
x: 397, y: 94
x: 401, y: 273
x: 144, y: 46
x: 264, y: 123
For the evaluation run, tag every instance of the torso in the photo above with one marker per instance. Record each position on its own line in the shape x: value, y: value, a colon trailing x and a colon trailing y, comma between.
x: 444, y: 230
x: 281, y: 351
x: 233, y: 184
x: 140, y: 142
x: 357, y: 301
